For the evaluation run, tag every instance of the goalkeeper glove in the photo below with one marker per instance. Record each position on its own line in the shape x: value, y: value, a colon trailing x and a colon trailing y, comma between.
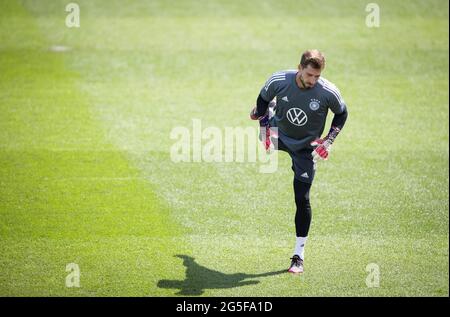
x: 322, y: 149
x: 323, y: 146
x: 265, y: 132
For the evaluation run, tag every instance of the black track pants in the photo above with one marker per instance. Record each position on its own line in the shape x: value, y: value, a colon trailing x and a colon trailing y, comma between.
x: 303, y: 213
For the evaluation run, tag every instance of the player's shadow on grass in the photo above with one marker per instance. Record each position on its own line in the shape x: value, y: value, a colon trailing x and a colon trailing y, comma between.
x: 199, y: 278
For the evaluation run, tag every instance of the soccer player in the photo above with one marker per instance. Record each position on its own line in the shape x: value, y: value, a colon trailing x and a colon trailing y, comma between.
x: 301, y: 99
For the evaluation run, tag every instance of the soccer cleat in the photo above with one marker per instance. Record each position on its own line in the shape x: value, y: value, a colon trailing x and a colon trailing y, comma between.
x: 296, y: 265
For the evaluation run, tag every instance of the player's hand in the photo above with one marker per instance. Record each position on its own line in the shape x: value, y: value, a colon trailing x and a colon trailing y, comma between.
x: 322, y: 149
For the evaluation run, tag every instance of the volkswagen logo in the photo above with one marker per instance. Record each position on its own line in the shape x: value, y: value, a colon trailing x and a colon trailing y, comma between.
x: 297, y: 117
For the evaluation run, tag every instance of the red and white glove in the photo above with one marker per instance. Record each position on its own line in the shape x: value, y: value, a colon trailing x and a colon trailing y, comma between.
x: 266, y: 132
x: 267, y: 142
x: 322, y: 149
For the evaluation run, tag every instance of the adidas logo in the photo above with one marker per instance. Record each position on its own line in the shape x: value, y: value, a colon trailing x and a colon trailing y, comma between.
x: 305, y: 175
x: 285, y: 98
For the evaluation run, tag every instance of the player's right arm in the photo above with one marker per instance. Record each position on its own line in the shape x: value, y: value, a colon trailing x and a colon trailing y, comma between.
x: 267, y: 93
x: 260, y: 110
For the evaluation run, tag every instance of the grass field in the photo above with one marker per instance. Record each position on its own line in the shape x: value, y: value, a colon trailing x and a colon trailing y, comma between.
x: 85, y: 169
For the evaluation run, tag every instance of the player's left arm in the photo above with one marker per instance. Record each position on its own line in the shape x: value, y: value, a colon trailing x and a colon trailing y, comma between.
x: 323, y: 146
